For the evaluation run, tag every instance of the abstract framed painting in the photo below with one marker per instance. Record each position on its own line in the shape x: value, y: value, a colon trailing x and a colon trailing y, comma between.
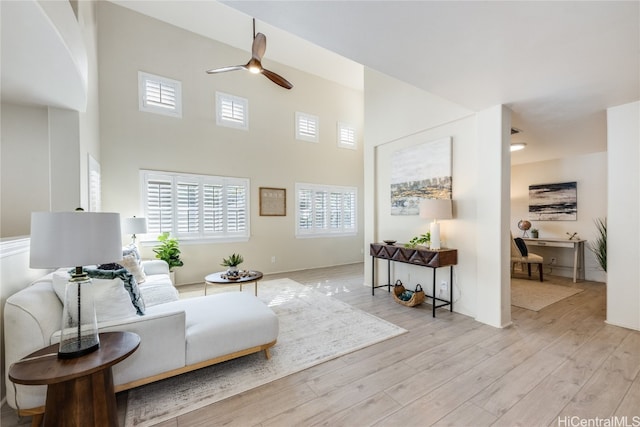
x: 554, y: 202
x: 420, y: 172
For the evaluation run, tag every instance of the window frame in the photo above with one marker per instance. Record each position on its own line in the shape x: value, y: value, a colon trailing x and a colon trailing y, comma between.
x: 201, y: 234
x: 235, y: 100
x: 307, y: 137
x: 144, y: 104
x: 328, y: 230
x: 342, y: 126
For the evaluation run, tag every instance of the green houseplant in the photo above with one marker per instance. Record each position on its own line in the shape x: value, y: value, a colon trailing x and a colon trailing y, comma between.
x: 423, y: 239
x: 599, y: 246
x: 232, y: 262
x: 168, y: 250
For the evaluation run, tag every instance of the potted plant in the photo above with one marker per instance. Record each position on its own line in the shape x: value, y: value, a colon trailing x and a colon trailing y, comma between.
x: 534, y: 233
x: 599, y: 246
x: 232, y: 263
x: 168, y: 250
x: 423, y: 239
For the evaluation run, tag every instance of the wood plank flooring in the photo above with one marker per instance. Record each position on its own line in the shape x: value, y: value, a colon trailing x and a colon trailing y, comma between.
x: 550, y: 366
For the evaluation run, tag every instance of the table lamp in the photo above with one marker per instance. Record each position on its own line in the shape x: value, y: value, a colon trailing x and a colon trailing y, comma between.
x: 435, y: 209
x: 134, y: 226
x: 66, y: 239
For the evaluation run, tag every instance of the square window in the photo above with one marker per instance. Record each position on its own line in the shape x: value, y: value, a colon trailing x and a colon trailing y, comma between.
x: 232, y: 111
x: 307, y: 127
x: 346, y: 136
x: 159, y: 95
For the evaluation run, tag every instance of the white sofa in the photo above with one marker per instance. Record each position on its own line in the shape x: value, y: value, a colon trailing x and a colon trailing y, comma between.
x: 177, y: 336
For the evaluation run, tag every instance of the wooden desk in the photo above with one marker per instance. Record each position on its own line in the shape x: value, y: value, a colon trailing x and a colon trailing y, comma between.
x: 80, y: 390
x: 418, y: 255
x: 576, y: 245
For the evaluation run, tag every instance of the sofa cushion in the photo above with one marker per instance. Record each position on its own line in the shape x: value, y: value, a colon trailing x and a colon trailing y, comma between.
x: 111, y: 299
x: 158, y: 289
x: 222, y: 324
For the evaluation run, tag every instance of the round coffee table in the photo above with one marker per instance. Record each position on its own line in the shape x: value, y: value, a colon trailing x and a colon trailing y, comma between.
x: 218, y: 279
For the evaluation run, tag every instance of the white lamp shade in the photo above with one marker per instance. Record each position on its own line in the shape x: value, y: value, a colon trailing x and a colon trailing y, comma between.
x: 70, y: 239
x: 436, y: 209
x: 134, y: 225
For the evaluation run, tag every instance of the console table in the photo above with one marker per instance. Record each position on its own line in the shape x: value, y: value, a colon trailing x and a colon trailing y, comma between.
x: 418, y: 255
x: 577, y: 246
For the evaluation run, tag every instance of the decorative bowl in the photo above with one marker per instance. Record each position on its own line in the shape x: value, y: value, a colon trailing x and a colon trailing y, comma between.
x: 390, y: 242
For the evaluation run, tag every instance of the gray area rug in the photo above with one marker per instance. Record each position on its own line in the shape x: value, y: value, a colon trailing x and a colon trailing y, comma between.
x: 534, y: 295
x: 314, y: 328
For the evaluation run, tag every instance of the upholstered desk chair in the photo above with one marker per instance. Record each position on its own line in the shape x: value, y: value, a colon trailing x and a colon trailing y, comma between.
x: 520, y: 253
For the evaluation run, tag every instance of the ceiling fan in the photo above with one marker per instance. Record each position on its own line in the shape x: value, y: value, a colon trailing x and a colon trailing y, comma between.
x: 255, y: 63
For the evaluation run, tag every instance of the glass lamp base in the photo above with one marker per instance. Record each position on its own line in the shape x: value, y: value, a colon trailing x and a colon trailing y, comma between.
x: 74, y: 348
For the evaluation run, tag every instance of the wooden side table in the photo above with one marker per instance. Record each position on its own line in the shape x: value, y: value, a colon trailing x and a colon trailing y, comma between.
x: 79, y: 391
x: 217, y: 279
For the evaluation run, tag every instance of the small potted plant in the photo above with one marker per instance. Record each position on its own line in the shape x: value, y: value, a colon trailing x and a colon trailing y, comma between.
x: 534, y: 233
x: 168, y: 250
x: 423, y: 239
x: 232, y: 263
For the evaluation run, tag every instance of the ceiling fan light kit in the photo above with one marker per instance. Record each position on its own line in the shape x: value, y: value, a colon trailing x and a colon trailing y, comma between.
x: 254, y: 65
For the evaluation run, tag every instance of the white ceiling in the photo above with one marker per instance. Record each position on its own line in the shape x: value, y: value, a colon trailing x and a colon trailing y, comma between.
x: 558, y: 65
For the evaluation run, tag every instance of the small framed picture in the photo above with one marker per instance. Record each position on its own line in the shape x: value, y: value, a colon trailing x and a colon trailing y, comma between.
x: 273, y: 201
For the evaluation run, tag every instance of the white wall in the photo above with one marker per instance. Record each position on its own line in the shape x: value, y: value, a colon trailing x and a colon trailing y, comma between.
x: 25, y: 147
x: 267, y: 153
x: 44, y: 154
x: 590, y: 172
x: 398, y: 116
x: 623, y: 212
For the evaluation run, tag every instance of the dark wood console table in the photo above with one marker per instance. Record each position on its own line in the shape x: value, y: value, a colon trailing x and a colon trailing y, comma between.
x: 418, y: 255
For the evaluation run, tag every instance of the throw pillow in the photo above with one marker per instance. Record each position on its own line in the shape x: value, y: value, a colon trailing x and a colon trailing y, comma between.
x: 128, y: 280
x: 131, y: 250
x: 110, y: 298
x: 522, y: 246
x: 130, y: 263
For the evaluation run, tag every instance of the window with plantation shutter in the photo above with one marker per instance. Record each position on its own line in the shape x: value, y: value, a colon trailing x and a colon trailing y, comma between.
x: 346, y: 136
x: 95, y: 195
x: 323, y: 210
x: 196, y: 207
x: 232, y: 111
x: 159, y: 204
x: 159, y: 95
x: 307, y: 127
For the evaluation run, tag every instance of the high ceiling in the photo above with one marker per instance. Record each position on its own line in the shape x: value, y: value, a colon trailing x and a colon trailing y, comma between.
x: 558, y: 65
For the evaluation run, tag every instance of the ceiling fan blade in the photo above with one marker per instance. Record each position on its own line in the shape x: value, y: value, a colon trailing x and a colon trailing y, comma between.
x: 259, y: 46
x: 225, y: 69
x: 279, y: 80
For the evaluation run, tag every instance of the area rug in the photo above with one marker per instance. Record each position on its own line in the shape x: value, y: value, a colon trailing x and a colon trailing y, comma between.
x: 534, y: 295
x: 314, y: 328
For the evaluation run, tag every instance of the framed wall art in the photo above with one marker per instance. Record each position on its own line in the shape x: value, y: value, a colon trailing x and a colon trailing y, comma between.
x: 554, y: 202
x: 420, y: 172
x: 273, y: 201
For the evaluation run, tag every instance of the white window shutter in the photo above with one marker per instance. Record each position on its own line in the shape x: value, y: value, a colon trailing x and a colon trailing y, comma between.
x: 307, y: 127
x: 232, y: 111
x: 159, y: 95
x: 159, y: 203
x: 346, y: 136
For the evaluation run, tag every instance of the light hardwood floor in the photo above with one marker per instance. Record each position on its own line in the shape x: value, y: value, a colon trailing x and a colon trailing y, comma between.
x: 550, y: 366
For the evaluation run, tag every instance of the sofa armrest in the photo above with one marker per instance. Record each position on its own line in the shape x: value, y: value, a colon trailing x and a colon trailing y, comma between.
x: 155, y: 266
